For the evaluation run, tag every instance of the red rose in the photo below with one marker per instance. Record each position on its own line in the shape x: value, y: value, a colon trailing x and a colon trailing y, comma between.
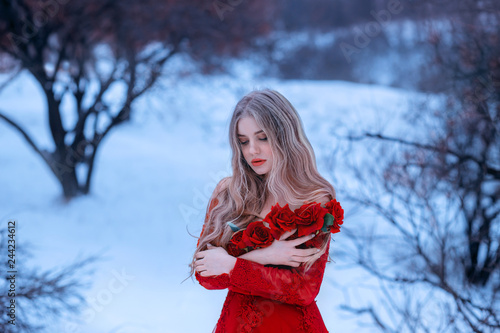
x: 334, y: 229
x: 280, y: 219
x: 257, y: 235
x: 309, y: 218
x: 235, y: 246
x: 337, y: 211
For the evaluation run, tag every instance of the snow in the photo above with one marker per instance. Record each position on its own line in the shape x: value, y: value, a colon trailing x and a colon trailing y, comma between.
x: 151, y: 185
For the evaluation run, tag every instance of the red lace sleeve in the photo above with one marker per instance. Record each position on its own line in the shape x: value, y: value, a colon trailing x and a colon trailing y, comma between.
x: 213, y: 281
x: 288, y: 285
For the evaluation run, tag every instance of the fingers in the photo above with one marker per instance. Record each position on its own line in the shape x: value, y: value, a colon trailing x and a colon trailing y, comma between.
x: 287, y: 234
x: 307, y: 252
x: 200, y: 254
x: 302, y: 239
x: 319, y: 253
x: 294, y: 262
x: 300, y: 260
x: 198, y: 267
x: 303, y: 255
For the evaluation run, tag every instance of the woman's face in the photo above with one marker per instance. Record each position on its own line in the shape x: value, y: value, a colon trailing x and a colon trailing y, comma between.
x: 254, y: 145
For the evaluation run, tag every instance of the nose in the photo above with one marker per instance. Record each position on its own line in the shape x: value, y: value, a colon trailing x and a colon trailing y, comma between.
x: 254, y: 149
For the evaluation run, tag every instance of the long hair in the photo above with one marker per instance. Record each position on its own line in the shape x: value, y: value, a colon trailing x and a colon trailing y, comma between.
x: 293, y: 176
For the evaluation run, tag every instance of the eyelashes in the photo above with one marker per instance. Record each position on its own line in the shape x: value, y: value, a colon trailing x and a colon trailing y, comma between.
x: 245, y: 142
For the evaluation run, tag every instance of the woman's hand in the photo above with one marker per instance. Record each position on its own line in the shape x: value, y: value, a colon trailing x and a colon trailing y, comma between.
x: 213, y: 261
x: 284, y: 252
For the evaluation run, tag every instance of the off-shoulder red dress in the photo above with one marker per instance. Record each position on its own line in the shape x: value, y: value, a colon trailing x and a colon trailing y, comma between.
x: 269, y: 298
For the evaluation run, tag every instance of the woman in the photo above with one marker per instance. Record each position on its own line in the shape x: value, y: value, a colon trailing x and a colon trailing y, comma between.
x: 271, y: 289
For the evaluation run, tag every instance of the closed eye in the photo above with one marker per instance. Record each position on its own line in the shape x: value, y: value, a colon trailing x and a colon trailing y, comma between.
x: 245, y: 142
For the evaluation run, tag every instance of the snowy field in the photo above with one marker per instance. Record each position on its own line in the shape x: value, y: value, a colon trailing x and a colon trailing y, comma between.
x: 150, y: 189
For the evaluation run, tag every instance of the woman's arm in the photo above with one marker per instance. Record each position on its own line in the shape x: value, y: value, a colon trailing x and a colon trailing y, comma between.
x: 216, y: 260
x: 215, y: 281
x: 220, y: 281
x: 282, y: 252
x: 214, y: 263
x: 291, y: 285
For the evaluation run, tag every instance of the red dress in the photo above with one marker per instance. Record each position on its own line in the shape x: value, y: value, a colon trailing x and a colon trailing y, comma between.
x: 269, y: 298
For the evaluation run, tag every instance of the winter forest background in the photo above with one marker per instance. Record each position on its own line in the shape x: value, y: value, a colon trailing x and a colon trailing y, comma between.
x: 113, y: 135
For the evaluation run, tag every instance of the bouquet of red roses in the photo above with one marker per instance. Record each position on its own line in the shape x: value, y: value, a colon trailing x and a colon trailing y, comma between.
x: 309, y: 218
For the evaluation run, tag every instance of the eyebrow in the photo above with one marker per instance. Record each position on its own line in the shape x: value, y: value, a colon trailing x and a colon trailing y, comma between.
x: 254, y: 133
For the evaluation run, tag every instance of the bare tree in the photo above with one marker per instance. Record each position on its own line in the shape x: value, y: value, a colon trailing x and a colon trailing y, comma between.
x: 40, y: 296
x: 435, y: 253
x: 103, y: 55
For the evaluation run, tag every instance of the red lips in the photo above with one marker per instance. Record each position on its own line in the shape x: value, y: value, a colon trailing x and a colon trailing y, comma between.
x: 258, y: 161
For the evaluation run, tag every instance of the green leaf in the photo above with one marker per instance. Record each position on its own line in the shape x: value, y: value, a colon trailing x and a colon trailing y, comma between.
x: 328, y: 219
x: 234, y: 228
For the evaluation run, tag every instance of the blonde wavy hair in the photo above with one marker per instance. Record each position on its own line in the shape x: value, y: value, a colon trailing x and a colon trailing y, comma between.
x: 293, y: 176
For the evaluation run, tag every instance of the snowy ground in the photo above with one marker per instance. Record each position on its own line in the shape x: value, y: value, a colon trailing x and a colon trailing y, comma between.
x: 151, y: 185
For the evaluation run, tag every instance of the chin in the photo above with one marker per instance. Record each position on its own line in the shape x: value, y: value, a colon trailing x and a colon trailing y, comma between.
x: 260, y: 173
x: 263, y: 174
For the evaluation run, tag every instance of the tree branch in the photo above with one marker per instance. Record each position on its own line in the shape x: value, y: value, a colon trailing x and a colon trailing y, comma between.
x: 11, y: 77
x: 26, y: 136
x: 490, y: 170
